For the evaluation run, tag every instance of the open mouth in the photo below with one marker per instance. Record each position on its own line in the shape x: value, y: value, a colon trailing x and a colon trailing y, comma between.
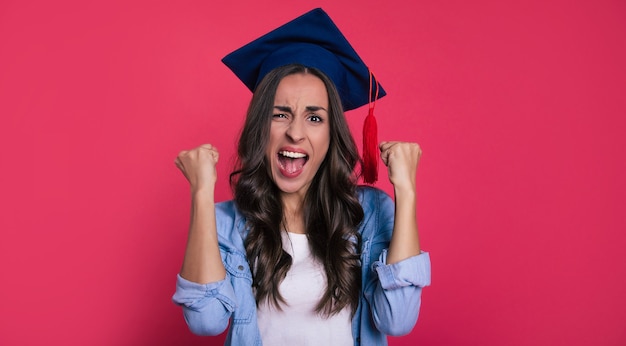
x: 291, y: 162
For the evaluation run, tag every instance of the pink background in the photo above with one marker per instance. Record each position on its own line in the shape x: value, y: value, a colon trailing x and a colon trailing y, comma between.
x: 519, y: 107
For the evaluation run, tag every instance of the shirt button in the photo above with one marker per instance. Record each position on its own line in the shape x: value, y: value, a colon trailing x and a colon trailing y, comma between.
x: 240, y: 267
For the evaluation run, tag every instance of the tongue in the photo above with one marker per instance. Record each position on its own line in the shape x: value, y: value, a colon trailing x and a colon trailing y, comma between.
x: 292, y: 165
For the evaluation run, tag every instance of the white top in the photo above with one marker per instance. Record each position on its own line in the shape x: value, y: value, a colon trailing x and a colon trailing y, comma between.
x: 302, y: 288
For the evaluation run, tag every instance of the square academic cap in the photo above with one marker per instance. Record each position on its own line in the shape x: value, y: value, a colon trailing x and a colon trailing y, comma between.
x: 313, y: 40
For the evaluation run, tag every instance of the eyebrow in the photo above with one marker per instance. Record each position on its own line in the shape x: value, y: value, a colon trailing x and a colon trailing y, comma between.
x: 308, y: 108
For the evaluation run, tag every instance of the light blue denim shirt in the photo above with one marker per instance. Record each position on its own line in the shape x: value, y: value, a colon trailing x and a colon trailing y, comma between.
x: 391, y: 294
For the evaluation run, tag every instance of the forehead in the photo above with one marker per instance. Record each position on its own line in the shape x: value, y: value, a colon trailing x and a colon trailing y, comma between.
x: 302, y: 88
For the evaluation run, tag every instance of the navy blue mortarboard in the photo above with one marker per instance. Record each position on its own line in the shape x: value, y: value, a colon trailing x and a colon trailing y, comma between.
x: 313, y: 40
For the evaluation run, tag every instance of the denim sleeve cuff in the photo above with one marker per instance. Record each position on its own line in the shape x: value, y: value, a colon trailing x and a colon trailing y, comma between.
x: 196, y: 296
x: 413, y: 271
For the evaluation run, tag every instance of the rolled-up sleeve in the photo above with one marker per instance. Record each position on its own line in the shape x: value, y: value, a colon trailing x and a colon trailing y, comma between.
x: 396, y: 297
x: 413, y: 271
x: 206, y: 307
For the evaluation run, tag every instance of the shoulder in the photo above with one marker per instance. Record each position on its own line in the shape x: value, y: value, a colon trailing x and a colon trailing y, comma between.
x: 378, y: 212
x: 376, y: 228
x: 231, y: 225
x: 373, y: 199
x: 226, y: 209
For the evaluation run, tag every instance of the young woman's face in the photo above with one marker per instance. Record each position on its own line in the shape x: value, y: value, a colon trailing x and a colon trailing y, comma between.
x: 300, y: 132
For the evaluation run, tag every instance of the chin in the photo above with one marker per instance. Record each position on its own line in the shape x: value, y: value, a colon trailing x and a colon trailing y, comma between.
x: 290, y: 186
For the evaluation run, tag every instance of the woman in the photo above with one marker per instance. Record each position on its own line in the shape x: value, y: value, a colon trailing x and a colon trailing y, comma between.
x: 301, y: 255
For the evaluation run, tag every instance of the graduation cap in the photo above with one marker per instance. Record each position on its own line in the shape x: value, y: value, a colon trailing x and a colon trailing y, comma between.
x: 313, y: 40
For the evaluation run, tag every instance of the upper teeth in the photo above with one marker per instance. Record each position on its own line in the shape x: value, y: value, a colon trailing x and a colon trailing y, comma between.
x: 292, y: 154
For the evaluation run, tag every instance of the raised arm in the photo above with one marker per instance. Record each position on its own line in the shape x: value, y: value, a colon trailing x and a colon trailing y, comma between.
x: 401, y: 160
x: 202, y: 263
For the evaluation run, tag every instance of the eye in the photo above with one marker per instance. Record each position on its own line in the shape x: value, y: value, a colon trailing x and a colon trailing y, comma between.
x: 315, y: 118
x: 280, y: 115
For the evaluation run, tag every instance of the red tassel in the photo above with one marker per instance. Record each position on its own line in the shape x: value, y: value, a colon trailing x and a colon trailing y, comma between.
x: 370, y: 148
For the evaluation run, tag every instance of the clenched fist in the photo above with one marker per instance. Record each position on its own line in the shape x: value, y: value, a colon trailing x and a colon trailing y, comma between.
x: 401, y: 159
x: 198, y: 166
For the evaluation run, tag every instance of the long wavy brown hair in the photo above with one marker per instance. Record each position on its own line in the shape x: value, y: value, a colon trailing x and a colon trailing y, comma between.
x: 332, y: 210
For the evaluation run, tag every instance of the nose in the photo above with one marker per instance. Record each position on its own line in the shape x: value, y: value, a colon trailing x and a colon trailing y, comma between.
x: 295, y: 131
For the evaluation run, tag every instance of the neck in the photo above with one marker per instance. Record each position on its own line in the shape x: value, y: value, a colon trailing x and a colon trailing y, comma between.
x: 293, y: 215
x: 292, y: 204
